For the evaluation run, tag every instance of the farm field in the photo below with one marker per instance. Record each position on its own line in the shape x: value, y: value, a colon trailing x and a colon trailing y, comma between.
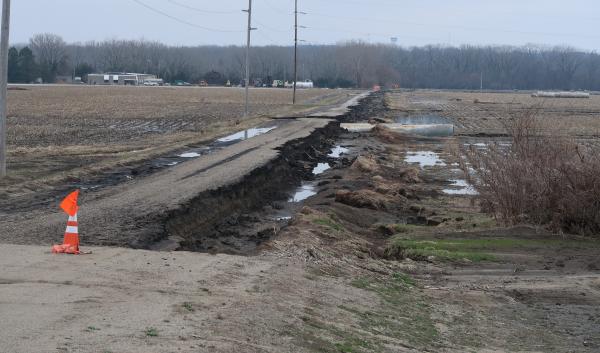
x: 337, y: 242
x: 58, y: 133
x: 475, y: 113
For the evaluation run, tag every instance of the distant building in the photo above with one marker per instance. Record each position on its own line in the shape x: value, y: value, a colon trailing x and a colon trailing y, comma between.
x: 121, y: 78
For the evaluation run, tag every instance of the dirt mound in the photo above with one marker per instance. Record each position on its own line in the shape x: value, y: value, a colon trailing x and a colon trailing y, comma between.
x: 378, y: 120
x: 388, y: 135
x: 410, y: 176
x: 395, y: 189
x: 362, y: 199
x: 366, y: 164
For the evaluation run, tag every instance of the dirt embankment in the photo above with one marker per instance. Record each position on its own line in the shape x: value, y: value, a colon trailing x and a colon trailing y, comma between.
x: 238, y: 218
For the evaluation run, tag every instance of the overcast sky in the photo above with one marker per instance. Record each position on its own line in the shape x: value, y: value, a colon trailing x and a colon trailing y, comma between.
x: 413, y: 22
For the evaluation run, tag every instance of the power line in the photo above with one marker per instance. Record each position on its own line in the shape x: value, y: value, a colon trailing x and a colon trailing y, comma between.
x: 376, y: 34
x: 270, y: 40
x: 202, y: 10
x: 162, y: 13
x: 276, y: 9
x: 466, y: 28
x: 295, y: 51
x: 247, y: 88
x: 272, y: 29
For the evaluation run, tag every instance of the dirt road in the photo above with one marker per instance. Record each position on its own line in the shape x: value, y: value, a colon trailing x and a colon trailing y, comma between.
x: 116, y: 300
x: 129, y: 212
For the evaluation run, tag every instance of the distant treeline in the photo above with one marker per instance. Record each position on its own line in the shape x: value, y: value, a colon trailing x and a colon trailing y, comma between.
x: 350, y: 64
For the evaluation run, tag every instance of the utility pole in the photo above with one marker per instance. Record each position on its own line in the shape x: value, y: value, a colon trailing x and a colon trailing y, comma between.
x: 481, y: 82
x: 295, y: 51
x: 4, y: 82
x: 249, y: 11
x: 296, y: 12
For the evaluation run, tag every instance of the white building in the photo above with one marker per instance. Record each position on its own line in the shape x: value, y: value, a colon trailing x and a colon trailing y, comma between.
x: 121, y: 78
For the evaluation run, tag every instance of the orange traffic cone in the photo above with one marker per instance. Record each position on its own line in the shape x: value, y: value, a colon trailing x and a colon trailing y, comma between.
x: 71, y: 241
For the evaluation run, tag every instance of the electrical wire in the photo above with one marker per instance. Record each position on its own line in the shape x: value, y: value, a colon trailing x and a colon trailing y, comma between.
x: 465, y: 28
x: 201, y: 10
x: 277, y: 9
x: 375, y: 34
x: 162, y: 13
x: 272, y: 29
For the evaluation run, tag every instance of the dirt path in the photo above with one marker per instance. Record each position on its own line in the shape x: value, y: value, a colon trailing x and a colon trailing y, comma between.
x: 125, y: 213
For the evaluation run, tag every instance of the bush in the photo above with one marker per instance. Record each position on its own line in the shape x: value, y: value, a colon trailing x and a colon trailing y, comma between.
x: 542, y: 178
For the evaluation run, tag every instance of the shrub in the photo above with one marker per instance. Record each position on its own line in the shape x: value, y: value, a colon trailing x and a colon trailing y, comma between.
x: 542, y: 178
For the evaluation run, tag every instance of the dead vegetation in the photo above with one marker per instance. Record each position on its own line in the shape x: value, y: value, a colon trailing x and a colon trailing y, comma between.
x: 542, y: 177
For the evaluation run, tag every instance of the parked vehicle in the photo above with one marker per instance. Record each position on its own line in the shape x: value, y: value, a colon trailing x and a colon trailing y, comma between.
x: 181, y: 83
x: 305, y: 84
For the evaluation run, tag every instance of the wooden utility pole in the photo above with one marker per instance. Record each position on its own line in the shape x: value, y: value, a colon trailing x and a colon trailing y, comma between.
x: 4, y: 82
x: 481, y: 82
x: 295, y: 51
x: 249, y: 11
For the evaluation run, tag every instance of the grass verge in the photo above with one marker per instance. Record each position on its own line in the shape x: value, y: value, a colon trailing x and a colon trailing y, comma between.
x: 475, y: 250
x: 401, y: 318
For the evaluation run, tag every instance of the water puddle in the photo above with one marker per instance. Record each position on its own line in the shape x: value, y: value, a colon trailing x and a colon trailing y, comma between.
x: 337, y: 152
x: 422, y: 120
x: 304, y: 192
x: 190, y: 155
x: 199, y: 151
x: 460, y: 187
x: 246, y: 134
x: 93, y: 187
x: 321, y: 168
x: 424, y: 159
x: 284, y: 218
x: 482, y: 145
x: 478, y: 145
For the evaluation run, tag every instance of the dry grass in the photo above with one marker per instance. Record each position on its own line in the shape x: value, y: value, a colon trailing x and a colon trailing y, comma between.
x: 542, y: 177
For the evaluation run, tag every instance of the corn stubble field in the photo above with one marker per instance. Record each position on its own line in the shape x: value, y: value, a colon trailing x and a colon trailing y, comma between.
x: 61, y: 132
x: 476, y: 113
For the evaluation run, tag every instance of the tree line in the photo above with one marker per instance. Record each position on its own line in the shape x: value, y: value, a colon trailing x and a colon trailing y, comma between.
x: 349, y: 64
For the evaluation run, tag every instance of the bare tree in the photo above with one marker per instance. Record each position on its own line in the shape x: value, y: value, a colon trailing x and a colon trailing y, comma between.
x: 50, y: 52
x: 350, y: 64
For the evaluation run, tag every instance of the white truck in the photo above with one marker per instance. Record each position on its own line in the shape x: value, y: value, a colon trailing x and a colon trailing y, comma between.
x: 305, y: 84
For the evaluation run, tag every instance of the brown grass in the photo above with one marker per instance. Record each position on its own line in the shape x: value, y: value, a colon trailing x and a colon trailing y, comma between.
x: 543, y: 177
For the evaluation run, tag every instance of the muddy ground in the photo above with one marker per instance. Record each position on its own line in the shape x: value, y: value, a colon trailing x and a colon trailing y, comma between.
x: 389, y: 252
x: 69, y: 135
